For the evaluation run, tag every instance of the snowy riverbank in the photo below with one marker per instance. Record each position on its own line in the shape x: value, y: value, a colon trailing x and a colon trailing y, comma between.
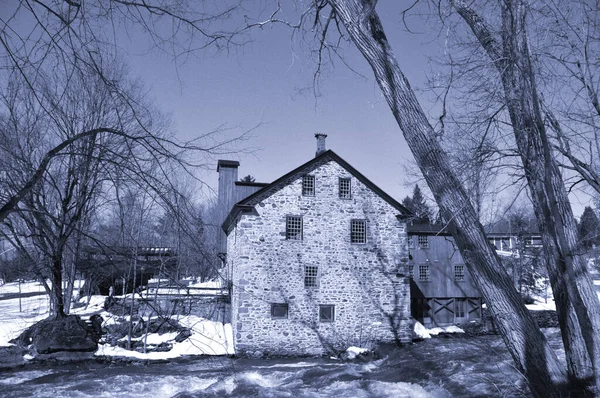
x: 207, y: 337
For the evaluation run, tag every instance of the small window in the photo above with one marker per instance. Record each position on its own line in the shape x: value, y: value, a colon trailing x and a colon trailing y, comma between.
x: 459, y: 273
x: 424, y: 275
x: 279, y: 311
x: 533, y: 241
x: 326, y: 313
x: 345, y: 188
x: 423, y: 241
x: 459, y: 307
x: 293, y: 228
x: 310, y: 276
x: 411, y: 271
x: 358, y: 231
x: 308, y: 186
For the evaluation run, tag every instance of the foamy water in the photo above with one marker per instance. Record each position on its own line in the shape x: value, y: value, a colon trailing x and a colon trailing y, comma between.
x: 442, y: 367
x: 216, y: 377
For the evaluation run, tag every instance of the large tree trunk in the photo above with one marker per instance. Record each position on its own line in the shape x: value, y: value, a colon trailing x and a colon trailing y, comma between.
x: 576, y: 300
x: 527, y: 345
x: 57, y: 266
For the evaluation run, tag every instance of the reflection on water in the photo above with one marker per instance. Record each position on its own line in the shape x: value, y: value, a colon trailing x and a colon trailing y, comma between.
x: 443, y: 367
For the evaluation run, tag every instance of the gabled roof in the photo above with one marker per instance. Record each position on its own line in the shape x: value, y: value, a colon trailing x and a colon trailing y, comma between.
x: 526, y: 226
x: 428, y: 229
x: 251, y: 184
x: 247, y: 205
x: 499, y: 229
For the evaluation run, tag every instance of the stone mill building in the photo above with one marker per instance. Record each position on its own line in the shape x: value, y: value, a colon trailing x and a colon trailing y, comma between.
x: 318, y: 259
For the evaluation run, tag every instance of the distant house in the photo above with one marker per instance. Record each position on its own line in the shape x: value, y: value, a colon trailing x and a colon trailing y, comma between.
x: 511, y: 238
x: 441, y: 288
x: 317, y: 259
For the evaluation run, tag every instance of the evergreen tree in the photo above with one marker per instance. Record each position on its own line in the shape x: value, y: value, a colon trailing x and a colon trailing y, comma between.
x: 589, y: 228
x: 418, y: 206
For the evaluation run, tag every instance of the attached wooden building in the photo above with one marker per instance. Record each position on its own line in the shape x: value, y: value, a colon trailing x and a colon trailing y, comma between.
x: 441, y: 289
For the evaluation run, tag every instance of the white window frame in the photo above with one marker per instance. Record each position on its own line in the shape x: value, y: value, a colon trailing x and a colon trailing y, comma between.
x: 358, y: 231
x: 424, y: 273
x: 345, y: 192
x: 308, y: 185
x: 311, y: 275
x: 459, y: 273
x: 292, y: 229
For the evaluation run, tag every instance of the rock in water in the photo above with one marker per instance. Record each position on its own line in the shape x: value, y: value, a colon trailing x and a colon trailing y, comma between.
x: 66, y: 334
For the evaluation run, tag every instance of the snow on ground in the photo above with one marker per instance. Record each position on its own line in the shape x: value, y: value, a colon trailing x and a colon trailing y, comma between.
x: 209, y: 284
x: 208, y: 337
x: 13, y: 321
x: 31, y: 287
x: 95, y: 306
x: 541, y: 305
x: 424, y: 333
x: 26, y: 287
x: 547, y: 303
x: 204, y: 288
x: 353, y: 352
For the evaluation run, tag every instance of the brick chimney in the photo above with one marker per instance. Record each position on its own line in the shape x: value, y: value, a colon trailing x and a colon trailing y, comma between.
x: 320, y: 143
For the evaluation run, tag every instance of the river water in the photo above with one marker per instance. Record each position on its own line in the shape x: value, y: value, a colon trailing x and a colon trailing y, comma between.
x: 453, y: 366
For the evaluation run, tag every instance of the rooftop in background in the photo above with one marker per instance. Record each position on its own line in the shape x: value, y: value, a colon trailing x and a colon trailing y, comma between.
x: 428, y: 229
x: 147, y: 251
x: 505, y: 227
x: 501, y: 228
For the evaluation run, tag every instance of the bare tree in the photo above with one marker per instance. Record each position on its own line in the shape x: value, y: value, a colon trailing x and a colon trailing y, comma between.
x: 571, y: 83
x: 69, y: 37
x: 577, y: 303
x: 54, y: 196
x: 525, y: 342
x: 359, y: 20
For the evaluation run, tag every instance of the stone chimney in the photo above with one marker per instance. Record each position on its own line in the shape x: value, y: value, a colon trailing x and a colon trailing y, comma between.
x: 320, y: 143
x: 228, y: 175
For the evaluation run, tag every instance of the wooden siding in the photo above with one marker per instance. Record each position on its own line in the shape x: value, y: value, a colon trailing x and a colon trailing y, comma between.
x: 440, y: 300
x: 441, y: 255
x: 443, y: 311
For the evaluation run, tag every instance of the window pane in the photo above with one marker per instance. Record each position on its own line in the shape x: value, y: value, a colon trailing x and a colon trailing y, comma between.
x: 459, y: 273
x: 460, y: 307
x: 423, y: 241
x: 358, y: 231
x: 310, y: 276
x: 345, y: 188
x: 293, y: 228
x: 423, y: 272
x: 279, y: 310
x: 326, y: 313
x: 308, y: 186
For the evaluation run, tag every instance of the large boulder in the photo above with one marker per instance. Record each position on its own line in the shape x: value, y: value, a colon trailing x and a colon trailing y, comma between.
x: 11, y: 356
x: 63, y: 334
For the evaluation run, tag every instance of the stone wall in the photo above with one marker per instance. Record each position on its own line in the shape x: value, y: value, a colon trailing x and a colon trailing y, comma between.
x: 367, y: 283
